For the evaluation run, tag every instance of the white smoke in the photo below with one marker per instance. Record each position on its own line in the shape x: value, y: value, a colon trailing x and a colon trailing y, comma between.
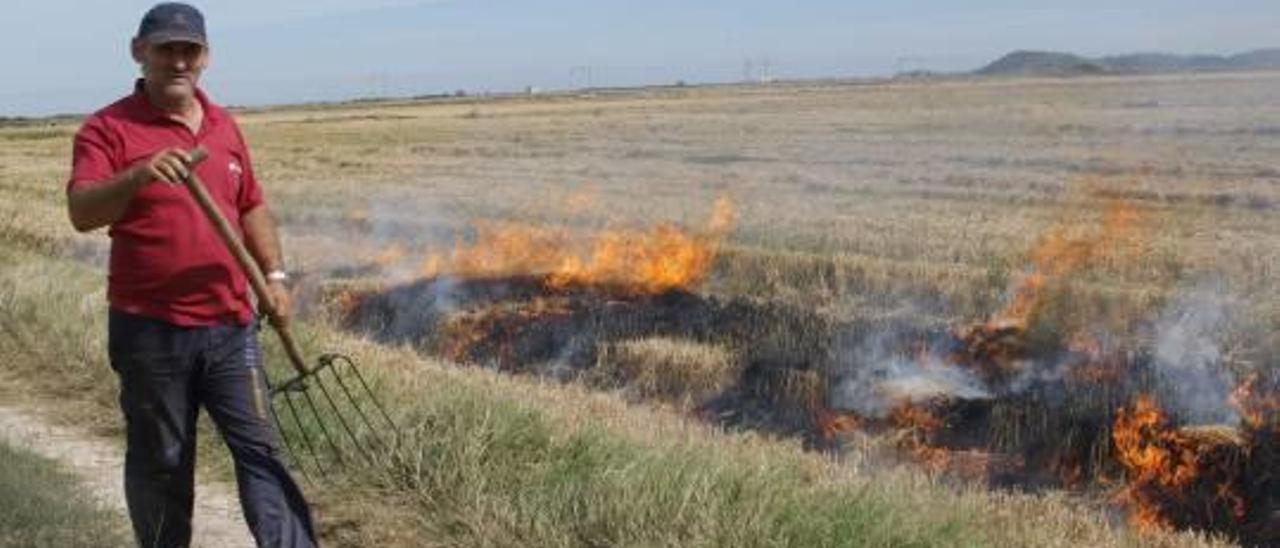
x: 410, y: 224
x: 1191, y: 375
x: 875, y: 378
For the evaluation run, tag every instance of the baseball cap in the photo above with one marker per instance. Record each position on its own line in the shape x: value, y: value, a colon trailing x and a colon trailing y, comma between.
x: 172, y: 22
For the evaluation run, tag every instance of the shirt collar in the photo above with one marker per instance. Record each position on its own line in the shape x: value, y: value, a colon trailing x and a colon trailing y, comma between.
x: 142, y: 107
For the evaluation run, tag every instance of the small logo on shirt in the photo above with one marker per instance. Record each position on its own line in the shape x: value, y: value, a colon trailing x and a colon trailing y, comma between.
x: 234, y: 169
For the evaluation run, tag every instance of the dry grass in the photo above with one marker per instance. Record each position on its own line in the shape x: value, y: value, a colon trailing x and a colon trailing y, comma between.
x: 676, y: 371
x: 909, y: 200
x: 925, y: 187
x: 41, y: 504
x: 856, y: 199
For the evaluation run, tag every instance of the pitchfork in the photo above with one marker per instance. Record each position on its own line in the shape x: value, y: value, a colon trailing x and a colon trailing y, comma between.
x: 344, y: 398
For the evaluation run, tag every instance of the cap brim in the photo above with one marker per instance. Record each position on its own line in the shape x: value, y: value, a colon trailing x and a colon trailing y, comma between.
x: 167, y: 36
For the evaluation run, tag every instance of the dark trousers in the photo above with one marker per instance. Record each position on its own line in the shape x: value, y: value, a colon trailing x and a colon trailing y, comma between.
x: 166, y: 374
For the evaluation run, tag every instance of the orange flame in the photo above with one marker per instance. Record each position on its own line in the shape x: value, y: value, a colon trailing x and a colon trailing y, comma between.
x: 1067, y: 249
x: 919, y: 425
x: 1166, y: 469
x: 915, y: 418
x: 831, y: 424
x: 1138, y: 436
x: 1256, y: 405
x: 645, y: 262
x: 390, y: 255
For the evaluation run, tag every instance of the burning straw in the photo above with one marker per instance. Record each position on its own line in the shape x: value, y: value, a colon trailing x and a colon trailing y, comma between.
x: 1024, y: 399
x: 1211, y: 478
x: 652, y: 262
x: 1037, y: 401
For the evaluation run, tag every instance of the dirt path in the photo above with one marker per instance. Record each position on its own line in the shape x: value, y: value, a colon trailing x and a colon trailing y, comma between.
x: 100, y: 464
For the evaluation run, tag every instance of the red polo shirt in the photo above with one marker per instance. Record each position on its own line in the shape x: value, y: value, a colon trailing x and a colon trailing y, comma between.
x: 167, y: 261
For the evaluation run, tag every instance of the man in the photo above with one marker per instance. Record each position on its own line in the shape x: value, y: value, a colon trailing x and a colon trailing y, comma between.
x: 181, y: 332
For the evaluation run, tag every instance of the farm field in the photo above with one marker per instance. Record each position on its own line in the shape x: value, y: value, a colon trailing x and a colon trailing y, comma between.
x: 1080, y: 219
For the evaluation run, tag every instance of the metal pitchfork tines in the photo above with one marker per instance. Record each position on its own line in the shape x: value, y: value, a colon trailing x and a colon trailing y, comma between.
x: 345, y: 407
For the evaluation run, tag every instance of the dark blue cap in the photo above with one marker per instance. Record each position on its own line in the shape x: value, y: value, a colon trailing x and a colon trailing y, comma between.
x: 172, y: 22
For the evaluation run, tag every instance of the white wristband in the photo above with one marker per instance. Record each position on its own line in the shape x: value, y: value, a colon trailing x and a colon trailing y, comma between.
x: 277, y: 276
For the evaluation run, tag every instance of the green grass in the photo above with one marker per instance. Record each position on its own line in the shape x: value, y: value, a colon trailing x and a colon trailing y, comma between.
x: 42, y: 505
x: 494, y: 473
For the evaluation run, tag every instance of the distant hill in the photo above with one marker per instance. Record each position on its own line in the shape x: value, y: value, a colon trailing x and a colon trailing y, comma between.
x: 1257, y: 59
x: 1049, y: 63
x: 1025, y: 63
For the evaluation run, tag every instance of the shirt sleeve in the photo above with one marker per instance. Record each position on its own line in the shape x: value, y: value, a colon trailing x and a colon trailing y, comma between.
x: 250, y: 195
x: 91, y: 157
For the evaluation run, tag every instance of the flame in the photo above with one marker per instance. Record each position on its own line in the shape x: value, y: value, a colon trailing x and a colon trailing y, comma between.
x: 918, y: 425
x: 914, y: 426
x: 662, y: 259
x: 1257, y: 407
x: 1141, y: 437
x: 997, y: 349
x: 915, y: 418
x: 390, y: 255
x: 653, y: 263
x: 1067, y: 249
x: 433, y: 266
x: 831, y: 424
x: 501, y: 250
x: 1168, y: 470
x: 994, y: 350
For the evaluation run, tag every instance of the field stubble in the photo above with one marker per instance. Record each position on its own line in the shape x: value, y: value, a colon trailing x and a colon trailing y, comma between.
x: 916, y: 201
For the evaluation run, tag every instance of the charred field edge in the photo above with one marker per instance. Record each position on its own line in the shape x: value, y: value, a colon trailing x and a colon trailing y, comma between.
x: 1048, y: 429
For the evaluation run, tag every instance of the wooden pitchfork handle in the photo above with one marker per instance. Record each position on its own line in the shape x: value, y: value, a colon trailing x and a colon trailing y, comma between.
x: 229, y: 237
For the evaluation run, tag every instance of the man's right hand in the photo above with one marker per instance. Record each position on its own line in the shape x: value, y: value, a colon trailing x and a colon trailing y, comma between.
x: 168, y: 165
x: 103, y: 203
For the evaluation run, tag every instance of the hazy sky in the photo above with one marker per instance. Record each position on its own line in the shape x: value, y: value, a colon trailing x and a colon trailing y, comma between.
x: 72, y: 56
